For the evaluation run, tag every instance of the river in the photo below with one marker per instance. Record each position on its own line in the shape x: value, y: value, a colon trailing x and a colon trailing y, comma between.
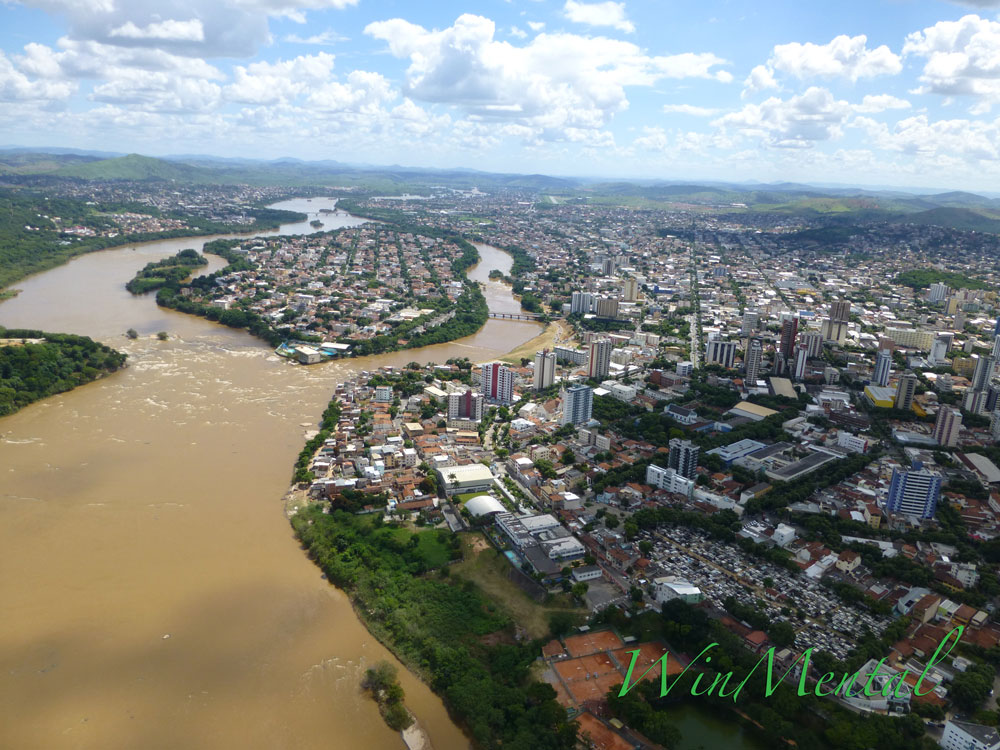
x: 153, y: 594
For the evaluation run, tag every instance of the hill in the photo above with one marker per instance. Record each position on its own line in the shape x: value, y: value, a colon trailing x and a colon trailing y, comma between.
x: 134, y: 167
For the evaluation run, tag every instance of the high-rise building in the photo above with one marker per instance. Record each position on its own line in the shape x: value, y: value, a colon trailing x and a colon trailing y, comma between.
x: 750, y: 320
x: 840, y: 311
x: 996, y: 330
x: 581, y: 303
x: 578, y: 404
x: 801, y: 360
x: 752, y: 362
x: 606, y: 307
x: 813, y: 341
x: 545, y: 369
x: 914, y: 492
x: 684, y: 457
x: 974, y: 402
x: 720, y: 352
x: 467, y: 405
x: 905, y: 390
x: 995, y: 425
x: 630, y: 289
x: 497, y: 382
x: 789, y: 332
x: 599, y: 358
x: 992, y: 398
x: 940, y: 349
x: 959, y: 324
x: 834, y: 330
x: 983, y: 372
x: 995, y: 351
x: 937, y: 292
x: 608, y: 266
x: 947, y: 427
x: 883, y: 368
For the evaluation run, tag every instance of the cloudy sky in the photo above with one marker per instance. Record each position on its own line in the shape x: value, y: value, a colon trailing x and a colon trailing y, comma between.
x: 900, y: 92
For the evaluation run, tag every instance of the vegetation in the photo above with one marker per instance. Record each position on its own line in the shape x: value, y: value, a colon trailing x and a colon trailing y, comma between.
x: 58, y: 363
x: 172, y: 270
x: 439, y: 627
x: 382, y: 683
x: 922, y: 278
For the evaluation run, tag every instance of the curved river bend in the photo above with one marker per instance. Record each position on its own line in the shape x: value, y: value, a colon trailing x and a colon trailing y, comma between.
x: 146, y: 505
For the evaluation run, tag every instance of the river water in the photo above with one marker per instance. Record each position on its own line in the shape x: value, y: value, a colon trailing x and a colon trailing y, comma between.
x: 153, y: 595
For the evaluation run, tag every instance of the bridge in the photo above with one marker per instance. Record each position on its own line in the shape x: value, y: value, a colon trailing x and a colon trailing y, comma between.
x: 515, y: 316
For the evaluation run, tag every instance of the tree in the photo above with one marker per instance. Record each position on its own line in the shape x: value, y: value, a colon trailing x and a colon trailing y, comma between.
x: 132, y: 333
x: 568, y: 457
x: 162, y: 336
x: 579, y: 590
x: 611, y: 521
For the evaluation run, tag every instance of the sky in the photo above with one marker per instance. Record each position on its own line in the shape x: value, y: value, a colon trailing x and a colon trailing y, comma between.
x: 872, y: 92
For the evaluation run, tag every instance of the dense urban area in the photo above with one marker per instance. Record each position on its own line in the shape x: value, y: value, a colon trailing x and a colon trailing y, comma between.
x: 755, y: 429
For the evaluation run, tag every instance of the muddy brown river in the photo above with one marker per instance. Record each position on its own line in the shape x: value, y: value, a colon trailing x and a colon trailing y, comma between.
x: 152, y: 593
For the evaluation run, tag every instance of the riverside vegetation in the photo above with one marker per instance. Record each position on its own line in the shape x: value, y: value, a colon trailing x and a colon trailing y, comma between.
x: 169, y: 270
x: 35, y: 364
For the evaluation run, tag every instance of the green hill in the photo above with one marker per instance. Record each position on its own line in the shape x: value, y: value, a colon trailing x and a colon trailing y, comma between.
x: 135, y: 167
x: 956, y: 218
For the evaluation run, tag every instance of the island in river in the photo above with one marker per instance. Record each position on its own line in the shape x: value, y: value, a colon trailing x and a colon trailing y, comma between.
x: 36, y: 364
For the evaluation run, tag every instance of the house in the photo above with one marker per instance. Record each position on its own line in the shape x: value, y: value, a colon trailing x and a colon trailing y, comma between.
x: 680, y: 414
x: 848, y: 561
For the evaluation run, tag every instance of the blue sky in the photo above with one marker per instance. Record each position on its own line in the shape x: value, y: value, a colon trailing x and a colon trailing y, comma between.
x: 893, y: 93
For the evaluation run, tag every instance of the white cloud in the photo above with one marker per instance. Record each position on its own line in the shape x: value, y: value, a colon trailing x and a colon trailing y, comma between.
x: 963, y: 57
x: 599, y: 14
x: 16, y: 86
x: 171, y: 31
x: 519, y: 33
x: 971, y: 141
x: 159, y: 92
x: 536, y: 26
x: 280, y: 81
x: 553, y: 82
x: 843, y: 57
x: 325, y: 38
x: 881, y: 103
x: 760, y: 78
x: 689, y: 109
x: 797, y: 122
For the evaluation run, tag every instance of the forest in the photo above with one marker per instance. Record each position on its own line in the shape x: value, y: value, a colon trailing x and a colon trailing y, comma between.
x: 438, y: 627
x: 172, y: 270
x: 59, y: 363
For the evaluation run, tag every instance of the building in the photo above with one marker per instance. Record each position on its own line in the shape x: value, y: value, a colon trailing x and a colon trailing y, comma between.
x: 983, y: 373
x: 940, y: 349
x: 573, y: 356
x: 684, y: 457
x: 964, y: 735
x: 630, y: 289
x: 947, y: 427
x: 905, y: 390
x: 669, y: 480
x: 801, y: 360
x: 789, y: 332
x: 974, y: 402
x: 938, y: 292
x: 883, y: 367
x: 753, y: 361
x: 383, y: 394
x: 458, y: 480
x: 840, y: 311
x: 911, y: 338
x: 751, y: 318
x: 581, y: 303
x: 599, y: 358
x: 719, y: 352
x: 684, y: 369
x: 497, y: 383
x: 914, y: 493
x: 468, y: 405
x: 606, y: 307
x: 813, y: 341
x: 672, y: 587
x: 879, y: 397
x: 995, y: 425
x: 545, y: 369
x: 756, y: 412
x: 578, y: 404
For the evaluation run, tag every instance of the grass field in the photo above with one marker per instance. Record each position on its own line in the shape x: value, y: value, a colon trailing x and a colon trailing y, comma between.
x: 434, y: 552
x: 466, y: 496
x: 488, y: 569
